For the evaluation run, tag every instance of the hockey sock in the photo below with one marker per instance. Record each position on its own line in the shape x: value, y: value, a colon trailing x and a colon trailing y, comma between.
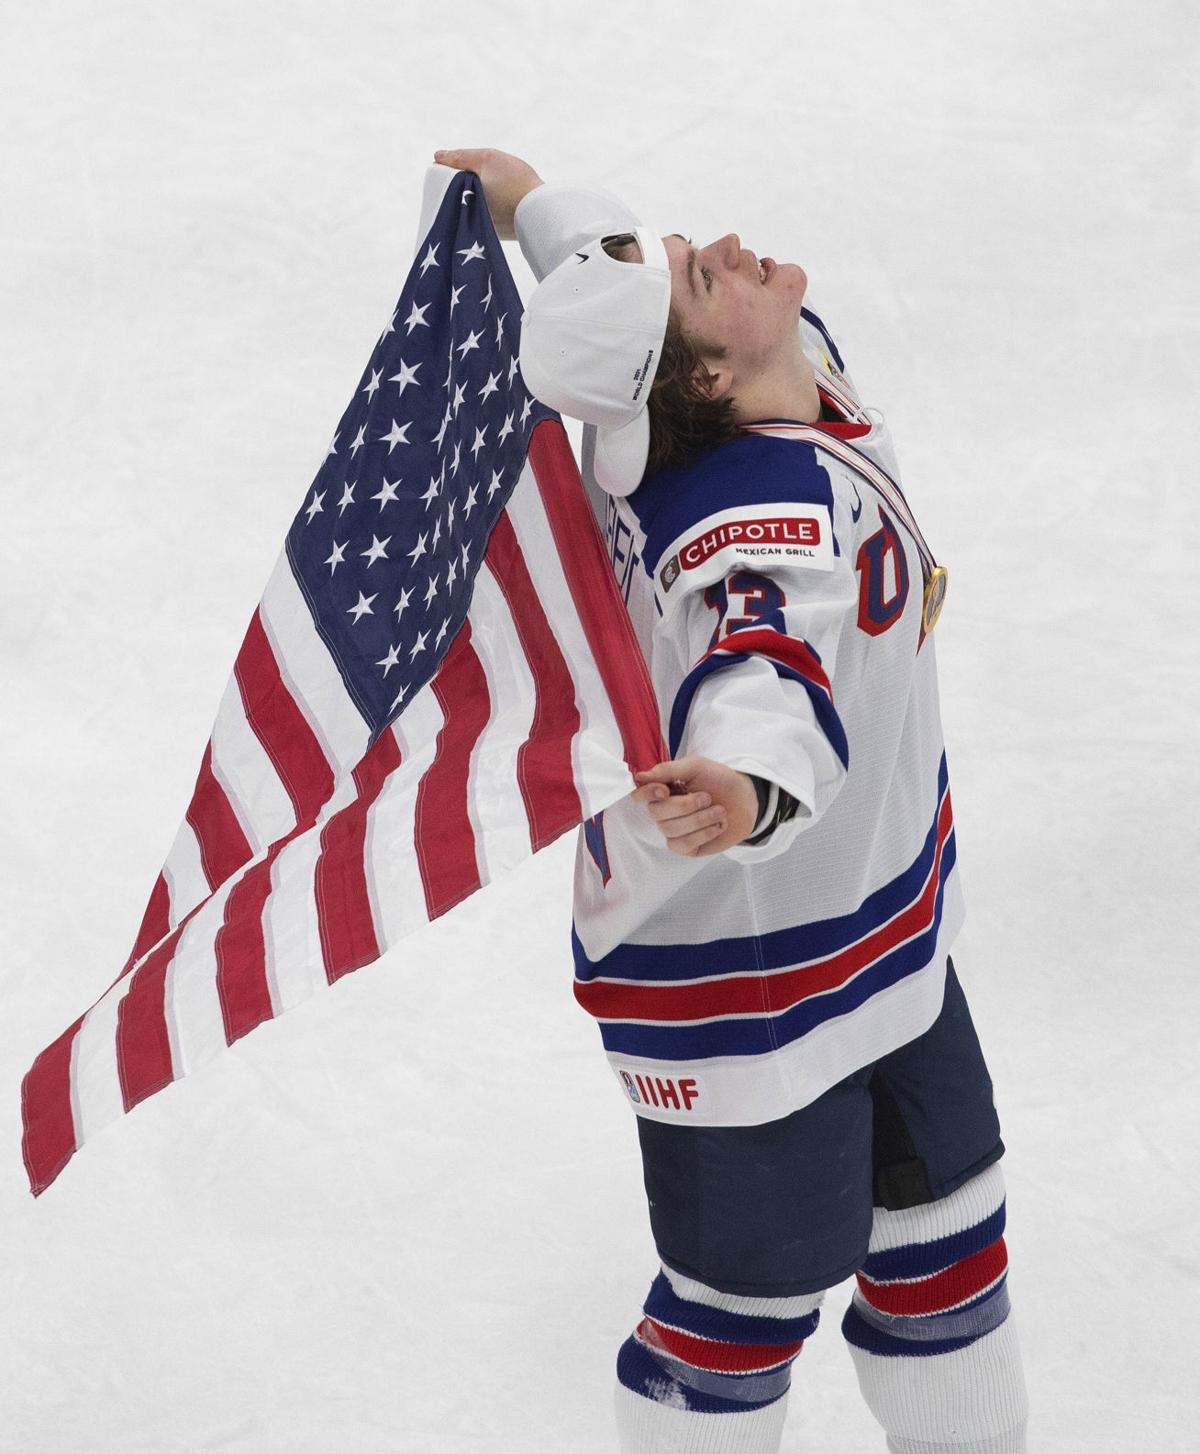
x: 707, y: 1372
x: 929, y: 1331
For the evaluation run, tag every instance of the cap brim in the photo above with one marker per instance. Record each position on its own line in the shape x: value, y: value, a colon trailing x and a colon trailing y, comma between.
x: 620, y: 458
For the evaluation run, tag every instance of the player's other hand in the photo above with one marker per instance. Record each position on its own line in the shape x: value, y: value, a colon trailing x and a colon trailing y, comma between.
x: 700, y: 806
x: 506, y: 179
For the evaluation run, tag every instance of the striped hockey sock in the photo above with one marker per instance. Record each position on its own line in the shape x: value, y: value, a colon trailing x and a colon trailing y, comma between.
x: 929, y: 1331
x: 707, y: 1372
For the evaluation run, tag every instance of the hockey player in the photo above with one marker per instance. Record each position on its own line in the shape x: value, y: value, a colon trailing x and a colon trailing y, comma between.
x: 763, y: 927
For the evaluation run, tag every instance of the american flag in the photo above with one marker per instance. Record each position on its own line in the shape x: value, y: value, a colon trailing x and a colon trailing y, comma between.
x: 439, y: 680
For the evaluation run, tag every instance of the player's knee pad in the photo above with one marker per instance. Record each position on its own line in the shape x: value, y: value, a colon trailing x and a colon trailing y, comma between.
x: 928, y: 1327
x: 714, y: 1352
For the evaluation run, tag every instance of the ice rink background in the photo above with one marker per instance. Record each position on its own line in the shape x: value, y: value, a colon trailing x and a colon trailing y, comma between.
x: 408, y: 1217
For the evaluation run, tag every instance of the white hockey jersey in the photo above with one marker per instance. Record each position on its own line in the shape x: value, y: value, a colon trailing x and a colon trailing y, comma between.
x: 776, y: 589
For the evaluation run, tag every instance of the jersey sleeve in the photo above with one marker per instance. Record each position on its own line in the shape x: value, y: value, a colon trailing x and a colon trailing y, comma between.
x: 753, y: 598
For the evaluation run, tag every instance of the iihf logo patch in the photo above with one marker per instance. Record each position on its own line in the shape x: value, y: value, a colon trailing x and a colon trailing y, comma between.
x: 593, y: 836
x: 663, y: 1092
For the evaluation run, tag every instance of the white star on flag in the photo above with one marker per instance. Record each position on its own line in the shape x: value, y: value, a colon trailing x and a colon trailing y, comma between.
x: 416, y: 319
x: 398, y: 434
x: 361, y: 607
x: 406, y: 376
x: 387, y: 493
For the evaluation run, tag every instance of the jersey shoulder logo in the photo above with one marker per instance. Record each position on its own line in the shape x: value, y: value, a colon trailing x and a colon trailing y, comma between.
x: 882, y: 578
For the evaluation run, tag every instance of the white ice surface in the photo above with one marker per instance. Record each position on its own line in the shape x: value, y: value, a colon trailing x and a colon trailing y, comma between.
x: 408, y: 1216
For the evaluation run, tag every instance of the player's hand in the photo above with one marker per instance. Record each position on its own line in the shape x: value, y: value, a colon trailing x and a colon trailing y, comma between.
x: 701, y: 807
x: 506, y: 179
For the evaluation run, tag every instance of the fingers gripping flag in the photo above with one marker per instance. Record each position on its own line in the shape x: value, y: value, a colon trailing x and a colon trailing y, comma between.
x: 439, y: 680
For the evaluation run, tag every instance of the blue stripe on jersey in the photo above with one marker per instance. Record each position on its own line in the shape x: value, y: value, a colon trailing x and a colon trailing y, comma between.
x: 666, y: 1306
x: 812, y: 318
x: 924, y: 1259
x: 765, y: 470
x: 823, y: 709
x: 759, y: 1034
x: 662, y: 963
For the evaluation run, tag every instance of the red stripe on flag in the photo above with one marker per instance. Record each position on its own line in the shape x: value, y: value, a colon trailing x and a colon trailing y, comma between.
x: 281, y: 727
x: 48, y: 1141
x: 597, y: 596
x: 445, y: 836
x: 945, y: 1290
x: 223, y: 846
x: 715, y: 1356
x: 744, y: 994
x: 156, y: 923
x: 344, y: 917
x: 143, y: 1045
x: 240, y: 950
x: 544, y: 761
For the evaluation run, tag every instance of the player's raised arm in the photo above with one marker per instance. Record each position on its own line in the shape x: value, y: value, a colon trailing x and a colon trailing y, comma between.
x: 506, y: 180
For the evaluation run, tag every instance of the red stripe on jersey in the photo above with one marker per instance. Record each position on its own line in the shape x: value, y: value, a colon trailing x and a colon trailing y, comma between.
x: 789, y: 651
x: 774, y: 990
x: 143, y: 1045
x: 344, y: 917
x: 445, y: 836
x: 48, y: 1141
x: 223, y: 846
x: 944, y: 1290
x: 544, y: 759
x: 278, y: 723
x: 597, y: 597
x: 712, y: 1355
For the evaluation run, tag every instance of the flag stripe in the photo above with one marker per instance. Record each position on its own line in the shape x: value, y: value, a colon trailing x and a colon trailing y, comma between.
x: 48, y: 1140
x: 392, y: 837
x: 278, y: 723
x: 445, y: 835
x: 156, y: 922
x: 344, y: 913
x: 544, y: 758
x: 191, y: 998
x: 143, y: 1045
x: 223, y: 846
x: 597, y: 597
x: 292, y: 942
x: 241, y: 973
x: 240, y: 762
x: 498, y: 807
x: 308, y: 671
x: 185, y: 876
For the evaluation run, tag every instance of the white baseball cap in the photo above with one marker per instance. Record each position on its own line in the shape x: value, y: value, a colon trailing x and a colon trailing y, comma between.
x: 591, y: 338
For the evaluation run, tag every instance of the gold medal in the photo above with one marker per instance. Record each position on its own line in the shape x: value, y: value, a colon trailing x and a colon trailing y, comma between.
x: 934, y: 597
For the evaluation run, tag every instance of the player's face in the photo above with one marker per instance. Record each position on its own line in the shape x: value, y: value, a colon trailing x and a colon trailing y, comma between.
x: 723, y: 294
